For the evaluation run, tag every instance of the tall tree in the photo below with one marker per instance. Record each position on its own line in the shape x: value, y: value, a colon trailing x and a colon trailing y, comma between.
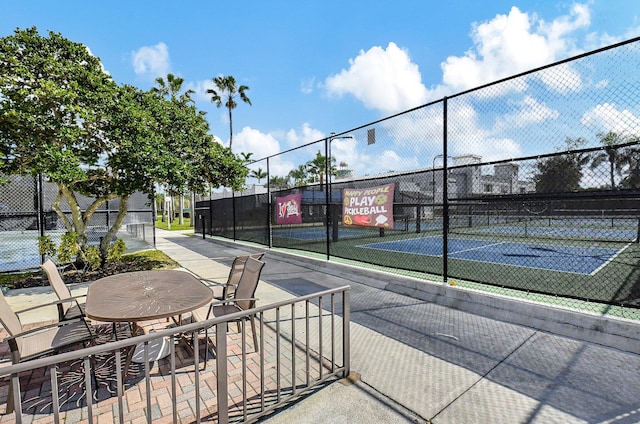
x: 226, y: 95
x: 612, y: 154
x: 299, y: 175
x: 318, y: 167
x: 278, y: 183
x: 631, y: 158
x: 62, y: 116
x: 563, y: 172
x: 54, y: 97
x: 258, y: 174
x: 171, y: 88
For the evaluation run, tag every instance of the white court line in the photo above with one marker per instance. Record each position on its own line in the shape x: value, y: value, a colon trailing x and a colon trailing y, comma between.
x: 479, y: 247
x: 595, y: 271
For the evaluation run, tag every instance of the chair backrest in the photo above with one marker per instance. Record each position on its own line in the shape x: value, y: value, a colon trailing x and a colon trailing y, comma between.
x: 55, y: 279
x: 8, y: 318
x: 238, y: 266
x: 248, y: 283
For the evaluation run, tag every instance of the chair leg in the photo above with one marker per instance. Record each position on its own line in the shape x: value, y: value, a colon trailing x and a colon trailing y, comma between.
x: 207, y: 342
x: 255, y: 335
x: 10, y: 397
x: 206, y: 348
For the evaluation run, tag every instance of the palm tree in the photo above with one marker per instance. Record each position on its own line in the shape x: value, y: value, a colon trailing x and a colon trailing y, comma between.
x: 246, y: 157
x: 611, y: 153
x: 172, y: 87
x: 318, y: 167
x: 227, y: 91
x: 631, y: 159
x: 299, y: 175
x: 259, y: 174
x: 277, y: 182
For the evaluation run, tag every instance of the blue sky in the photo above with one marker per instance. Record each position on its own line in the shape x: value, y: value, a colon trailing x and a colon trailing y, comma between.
x: 314, y: 67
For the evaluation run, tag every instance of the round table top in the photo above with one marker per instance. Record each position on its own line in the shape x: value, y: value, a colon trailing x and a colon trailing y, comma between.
x: 145, y: 295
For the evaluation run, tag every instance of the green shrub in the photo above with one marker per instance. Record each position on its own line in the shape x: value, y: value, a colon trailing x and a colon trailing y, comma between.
x: 116, y: 250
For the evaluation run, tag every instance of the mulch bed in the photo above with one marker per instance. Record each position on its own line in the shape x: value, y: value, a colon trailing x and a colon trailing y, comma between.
x: 72, y: 276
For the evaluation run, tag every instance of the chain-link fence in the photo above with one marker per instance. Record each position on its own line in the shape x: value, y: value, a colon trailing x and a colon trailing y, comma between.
x: 26, y: 214
x: 529, y: 185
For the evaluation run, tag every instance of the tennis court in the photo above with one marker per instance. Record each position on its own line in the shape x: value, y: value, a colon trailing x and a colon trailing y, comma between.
x: 585, y: 260
x: 19, y: 249
x: 582, y: 232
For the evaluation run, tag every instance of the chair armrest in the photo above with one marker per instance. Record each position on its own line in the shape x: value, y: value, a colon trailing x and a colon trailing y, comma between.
x: 78, y: 296
x: 224, y: 301
x: 233, y: 300
x: 216, y: 283
x: 47, y: 326
x: 68, y: 299
x: 52, y: 303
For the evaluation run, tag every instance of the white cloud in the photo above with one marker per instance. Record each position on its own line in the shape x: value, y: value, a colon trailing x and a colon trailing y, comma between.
x: 562, y: 79
x: 489, y: 148
x: 406, y: 129
x: 305, y: 135
x: 393, y: 162
x: 607, y: 117
x: 514, y: 43
x: 200, y: 89
x: 306, y: 86
x: 388, y: 81
x: 527, y: 111
x: 152, y: 61
x: 346, y: 150
x: 382, y: 79
x: 250, y: 140
x: 262, y: 145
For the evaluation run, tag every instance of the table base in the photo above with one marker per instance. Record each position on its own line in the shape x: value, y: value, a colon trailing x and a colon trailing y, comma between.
x: 158, y: 349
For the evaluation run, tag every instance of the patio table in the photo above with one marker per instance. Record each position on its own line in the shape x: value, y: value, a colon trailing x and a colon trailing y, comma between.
x: 145, y: 295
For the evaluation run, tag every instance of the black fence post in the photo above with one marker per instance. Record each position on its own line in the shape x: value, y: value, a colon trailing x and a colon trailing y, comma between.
x: 327, y: 173
x: 40, y: 209
x: 233, y: 212
x: 445, y: 196
x: 269, y: 209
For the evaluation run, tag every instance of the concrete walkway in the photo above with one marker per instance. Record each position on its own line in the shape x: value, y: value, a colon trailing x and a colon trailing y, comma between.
x: 417, y: 361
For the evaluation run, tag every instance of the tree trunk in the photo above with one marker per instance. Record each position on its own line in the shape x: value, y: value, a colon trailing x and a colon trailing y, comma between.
x: 230, y: 129
x: 113, y: 230
x: 79, y: 219
x: 181, y: 213
x: 611, y: 171
x: 192, y: 211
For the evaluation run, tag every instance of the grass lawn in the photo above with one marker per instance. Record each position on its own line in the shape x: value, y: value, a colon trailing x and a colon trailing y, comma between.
x: 175, y: 226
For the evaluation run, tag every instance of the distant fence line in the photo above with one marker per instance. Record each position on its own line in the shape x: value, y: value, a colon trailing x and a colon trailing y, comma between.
x: 531, y: 184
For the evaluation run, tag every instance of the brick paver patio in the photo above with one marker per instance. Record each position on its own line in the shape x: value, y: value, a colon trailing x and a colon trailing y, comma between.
x: 275, y: 377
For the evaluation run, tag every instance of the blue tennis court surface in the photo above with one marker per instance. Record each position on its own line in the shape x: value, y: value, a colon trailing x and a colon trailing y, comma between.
x: 574, y: 259
x: 568, y: 232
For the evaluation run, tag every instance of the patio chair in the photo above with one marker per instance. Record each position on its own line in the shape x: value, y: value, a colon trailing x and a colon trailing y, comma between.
x: 226, y: 290
x: 26, y: 345
x: 70, y: 308
x: 243, y: 299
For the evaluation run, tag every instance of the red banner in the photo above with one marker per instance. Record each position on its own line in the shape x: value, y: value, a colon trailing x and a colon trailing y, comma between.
x: 368, y: 207
x: 288, y: 209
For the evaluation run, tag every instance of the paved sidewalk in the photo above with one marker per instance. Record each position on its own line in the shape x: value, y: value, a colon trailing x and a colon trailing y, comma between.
x: 418, y: 361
